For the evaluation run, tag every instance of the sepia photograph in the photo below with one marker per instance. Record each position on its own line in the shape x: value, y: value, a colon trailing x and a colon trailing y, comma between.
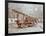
x: 24, y: 18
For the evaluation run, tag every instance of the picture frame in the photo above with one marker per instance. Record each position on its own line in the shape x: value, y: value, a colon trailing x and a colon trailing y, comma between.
x: 25, y: 2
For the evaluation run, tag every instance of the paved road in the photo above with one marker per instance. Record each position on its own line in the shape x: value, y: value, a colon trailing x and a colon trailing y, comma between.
x: 36, y: 28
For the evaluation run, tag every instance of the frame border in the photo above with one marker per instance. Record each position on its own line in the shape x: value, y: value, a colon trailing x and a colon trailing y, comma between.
x: 6, y: 17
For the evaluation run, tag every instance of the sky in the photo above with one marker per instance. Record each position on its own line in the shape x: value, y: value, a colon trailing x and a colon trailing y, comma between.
x: 29, y: 9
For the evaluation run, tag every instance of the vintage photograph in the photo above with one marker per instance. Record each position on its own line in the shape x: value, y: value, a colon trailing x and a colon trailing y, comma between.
x: 24, y: 18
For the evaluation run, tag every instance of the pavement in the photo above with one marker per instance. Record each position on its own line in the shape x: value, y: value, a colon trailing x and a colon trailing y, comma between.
x: 36, y: 28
